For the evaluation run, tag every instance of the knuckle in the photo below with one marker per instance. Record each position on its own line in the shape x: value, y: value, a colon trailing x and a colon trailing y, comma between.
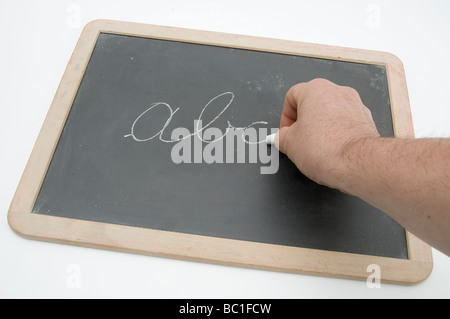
x: 320, y: 82
x: 350, y: 91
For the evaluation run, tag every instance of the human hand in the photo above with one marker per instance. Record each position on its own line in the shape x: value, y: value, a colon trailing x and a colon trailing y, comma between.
x: 319, y: 123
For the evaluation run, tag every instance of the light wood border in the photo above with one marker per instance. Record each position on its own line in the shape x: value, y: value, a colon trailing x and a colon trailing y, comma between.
x: 202, y: 248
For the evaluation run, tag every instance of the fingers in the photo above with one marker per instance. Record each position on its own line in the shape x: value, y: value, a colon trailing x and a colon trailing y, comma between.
x: 297, y: 94
x: 288, y: 116
x: 281, y: 139
x: 294, y: 99
x: 289, y: 113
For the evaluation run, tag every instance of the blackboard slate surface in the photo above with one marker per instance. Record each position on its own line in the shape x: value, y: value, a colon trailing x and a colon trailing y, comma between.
x: 99, y: 174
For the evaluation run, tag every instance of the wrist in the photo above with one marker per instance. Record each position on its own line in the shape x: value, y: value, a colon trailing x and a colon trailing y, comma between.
x: 356, y: 158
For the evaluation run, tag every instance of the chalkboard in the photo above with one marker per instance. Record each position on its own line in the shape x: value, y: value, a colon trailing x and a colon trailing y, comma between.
x: 168, y: 135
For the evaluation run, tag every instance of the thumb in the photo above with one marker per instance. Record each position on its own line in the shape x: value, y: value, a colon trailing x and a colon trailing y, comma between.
x: 281, y: 139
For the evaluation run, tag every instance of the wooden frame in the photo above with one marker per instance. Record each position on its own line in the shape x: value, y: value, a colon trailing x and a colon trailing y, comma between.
x: 194, y: 247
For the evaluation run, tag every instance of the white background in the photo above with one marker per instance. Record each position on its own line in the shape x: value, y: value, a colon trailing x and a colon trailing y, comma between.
x: 37, y: 39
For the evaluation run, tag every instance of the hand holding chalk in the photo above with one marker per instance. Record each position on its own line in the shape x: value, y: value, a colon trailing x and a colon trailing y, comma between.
x: 270, y: 139
x: 318, y: 120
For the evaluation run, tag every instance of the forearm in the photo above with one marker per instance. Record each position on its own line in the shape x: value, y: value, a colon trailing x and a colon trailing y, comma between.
x: 328, y: 132
x: 406, y: 178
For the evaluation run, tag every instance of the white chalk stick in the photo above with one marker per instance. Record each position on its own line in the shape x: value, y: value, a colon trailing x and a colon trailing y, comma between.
x: 270, y: 139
